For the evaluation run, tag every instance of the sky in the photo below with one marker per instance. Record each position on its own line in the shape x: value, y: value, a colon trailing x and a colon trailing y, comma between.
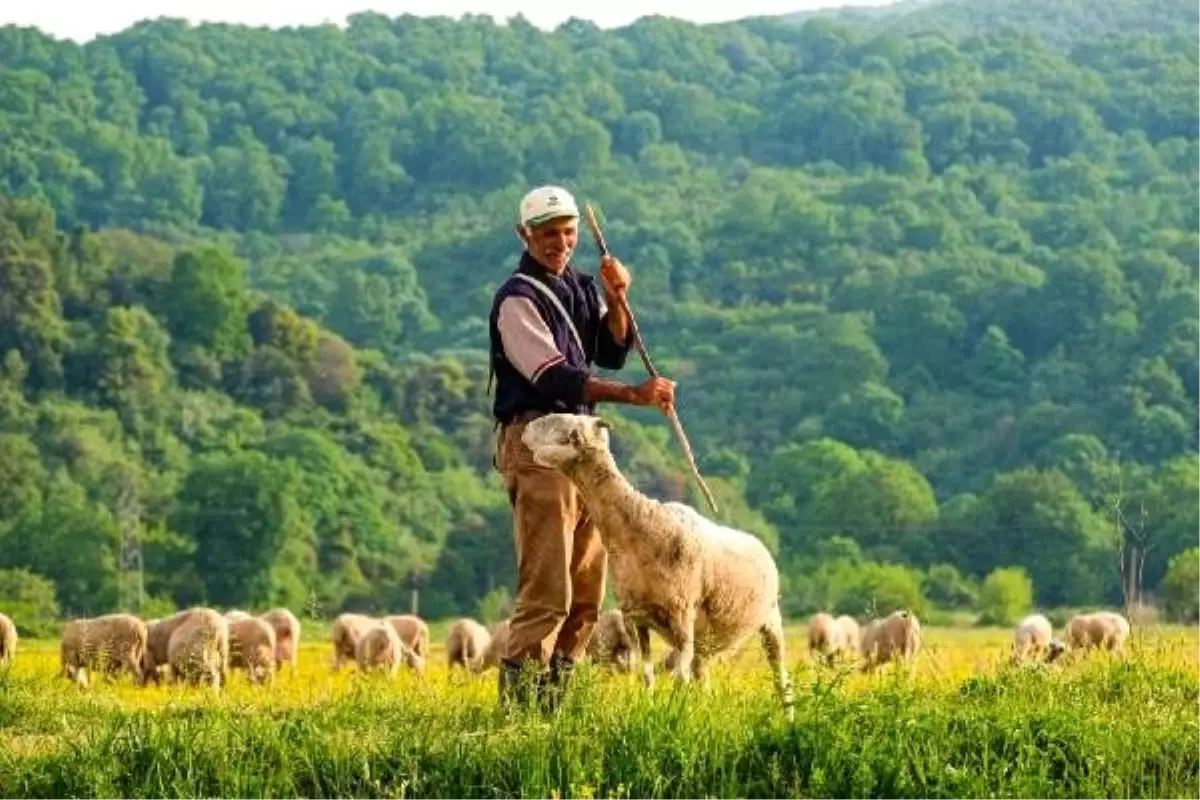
x: 81, y: 20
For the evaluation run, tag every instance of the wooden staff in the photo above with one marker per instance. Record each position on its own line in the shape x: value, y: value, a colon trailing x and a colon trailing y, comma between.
x: 641, y: 348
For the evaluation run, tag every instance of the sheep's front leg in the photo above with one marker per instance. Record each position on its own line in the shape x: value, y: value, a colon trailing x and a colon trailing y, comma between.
x: 643, y: 643
x: 772, y: 639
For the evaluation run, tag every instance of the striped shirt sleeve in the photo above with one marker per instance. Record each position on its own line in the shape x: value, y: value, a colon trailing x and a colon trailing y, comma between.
x: 528, y: 343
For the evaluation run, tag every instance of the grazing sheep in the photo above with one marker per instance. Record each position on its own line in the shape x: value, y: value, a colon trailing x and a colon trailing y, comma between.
x: 611, y: 643
x: 287, y: 636
x: 111, y: 643
x: 1101, y: 629
x: 198, y: 649
x: 414, y: 635
x: 8, y: 640
x: 894, y: 638
x: 702, y: 586
x: 252, y: 648
x: 1032, y: 637
x: 466, y: 643
x: 158, y: 638
x: 496, y: 644
x: 380, y: 648
x: 345, y: 634
x: 829, y: 638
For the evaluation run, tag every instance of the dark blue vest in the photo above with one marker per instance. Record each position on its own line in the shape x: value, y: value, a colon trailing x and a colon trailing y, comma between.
x: 580, y: 297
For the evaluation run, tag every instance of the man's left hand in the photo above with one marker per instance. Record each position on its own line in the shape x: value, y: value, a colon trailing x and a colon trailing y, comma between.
x: 614, y: 276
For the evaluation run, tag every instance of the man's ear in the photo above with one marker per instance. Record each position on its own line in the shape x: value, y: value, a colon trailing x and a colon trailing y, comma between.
x: 522, y: 233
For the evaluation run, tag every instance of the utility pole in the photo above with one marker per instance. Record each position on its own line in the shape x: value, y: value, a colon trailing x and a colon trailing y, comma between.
x: 131, y: 579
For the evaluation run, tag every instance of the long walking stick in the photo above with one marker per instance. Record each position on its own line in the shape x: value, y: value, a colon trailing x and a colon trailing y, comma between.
x: 641, y: 348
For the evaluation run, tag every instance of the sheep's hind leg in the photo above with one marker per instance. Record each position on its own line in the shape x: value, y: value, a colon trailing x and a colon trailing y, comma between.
x: 643, y: 643
x: 772, y: 639
x: 685, y: 632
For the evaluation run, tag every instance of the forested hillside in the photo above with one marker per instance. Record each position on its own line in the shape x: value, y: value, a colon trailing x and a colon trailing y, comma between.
x: 1060, y: 24
x: 931, y: 301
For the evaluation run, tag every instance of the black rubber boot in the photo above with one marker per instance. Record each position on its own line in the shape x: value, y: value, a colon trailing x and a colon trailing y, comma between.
x: 553, y: 686
x: 518, y: 682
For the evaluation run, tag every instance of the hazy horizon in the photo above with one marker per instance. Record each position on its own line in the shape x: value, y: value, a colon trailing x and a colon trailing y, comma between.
x: 70, y: 20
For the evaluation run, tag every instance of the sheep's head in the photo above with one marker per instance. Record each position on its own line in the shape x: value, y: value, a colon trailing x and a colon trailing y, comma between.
x: 557, y: 440
x: 1056, y: 649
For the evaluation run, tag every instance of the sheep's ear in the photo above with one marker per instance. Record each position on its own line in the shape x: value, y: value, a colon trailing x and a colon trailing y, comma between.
x: 603, y: 424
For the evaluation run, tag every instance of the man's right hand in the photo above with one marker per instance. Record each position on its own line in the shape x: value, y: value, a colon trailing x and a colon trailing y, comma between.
x: 656, y: 392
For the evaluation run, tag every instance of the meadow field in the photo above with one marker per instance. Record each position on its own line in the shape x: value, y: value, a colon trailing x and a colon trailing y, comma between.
x: 966, y: 724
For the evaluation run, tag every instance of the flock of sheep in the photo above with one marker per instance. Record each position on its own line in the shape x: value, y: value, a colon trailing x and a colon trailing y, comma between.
x: 705, y: 588
x: 897, y: 638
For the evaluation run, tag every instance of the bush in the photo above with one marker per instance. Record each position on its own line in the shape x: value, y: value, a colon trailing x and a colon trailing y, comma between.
x: 30, y: 601
x: 1006, y: 595
x: 1180, y: 587
x: 876, y: 590
x: 945, y: 586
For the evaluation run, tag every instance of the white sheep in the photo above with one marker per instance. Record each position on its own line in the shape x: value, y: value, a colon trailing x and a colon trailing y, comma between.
x: 829, y: 637
x: 702, y: 586
x: 156, y: 657
x: 379, y: 648
x: 287, y: 636
x: 896, y: 637
x: 8, y: 640
x: 414, y: 635
x: 610, y: 643
x: 252, y: 648
x: 345, y: 634
x: 1100, y: 629
x: 198, y: 649
x: 466, y: 642
x: 497, y: 642
x: 1032, y: 637
x: 110, y: 643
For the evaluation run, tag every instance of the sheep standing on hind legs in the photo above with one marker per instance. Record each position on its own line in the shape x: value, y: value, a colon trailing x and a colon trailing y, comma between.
x: 701, y: 586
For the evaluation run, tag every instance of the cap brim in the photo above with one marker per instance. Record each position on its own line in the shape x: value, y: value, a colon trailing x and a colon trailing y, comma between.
x: 538, y: 220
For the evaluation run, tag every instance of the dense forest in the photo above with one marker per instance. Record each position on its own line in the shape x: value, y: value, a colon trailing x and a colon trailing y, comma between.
x: 929, y: 291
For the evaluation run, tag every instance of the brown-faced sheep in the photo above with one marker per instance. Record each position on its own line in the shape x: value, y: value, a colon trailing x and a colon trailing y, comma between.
x: 465, y: 644
x: 252, y: 648
x: 896, y: 637
x: 198, y: 649
x: 287, y: 636
x: 702, y: 586
x: 111, y: 644
x: 379, y: 648
x: 8, y: 640
x: 1032, y: 638
x: 347, y: 631
x: 610, y: 643
x: 1106, y: 630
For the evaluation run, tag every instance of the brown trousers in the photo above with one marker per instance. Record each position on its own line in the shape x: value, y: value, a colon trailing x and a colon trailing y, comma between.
x: 561, y: 561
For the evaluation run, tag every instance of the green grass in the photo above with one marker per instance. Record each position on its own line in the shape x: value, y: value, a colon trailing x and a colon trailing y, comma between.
x: 966, y: 725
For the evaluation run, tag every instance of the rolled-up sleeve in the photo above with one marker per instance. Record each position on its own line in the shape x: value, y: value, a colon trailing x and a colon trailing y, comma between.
x: 610, y: 353
x: 529, y: 346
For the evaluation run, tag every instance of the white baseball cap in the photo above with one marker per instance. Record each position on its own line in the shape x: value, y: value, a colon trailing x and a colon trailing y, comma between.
x: 546, y: 203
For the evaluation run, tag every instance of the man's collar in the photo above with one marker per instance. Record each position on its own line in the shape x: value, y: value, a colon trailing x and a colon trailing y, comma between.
x: 530, y: 266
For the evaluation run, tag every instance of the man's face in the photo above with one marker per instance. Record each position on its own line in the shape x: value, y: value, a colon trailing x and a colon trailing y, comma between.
x: 552, y: 243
